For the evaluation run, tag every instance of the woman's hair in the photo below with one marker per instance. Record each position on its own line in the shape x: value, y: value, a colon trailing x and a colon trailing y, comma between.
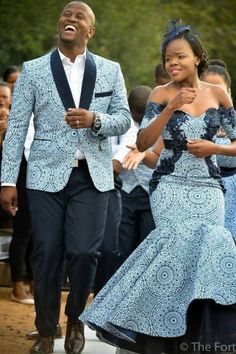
x: 174, y: 31
x: 219, y: 67
x: 8, y: 71
x: 219, y: 62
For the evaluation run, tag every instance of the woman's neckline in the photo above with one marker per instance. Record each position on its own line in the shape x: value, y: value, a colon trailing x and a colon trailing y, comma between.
x: 189, y: 114
x: 200, y: 115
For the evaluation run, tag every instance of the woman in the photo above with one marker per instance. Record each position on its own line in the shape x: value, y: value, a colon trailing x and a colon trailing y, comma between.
x: 217, y: 74
x: 21, y: 243
x: 176, y: 292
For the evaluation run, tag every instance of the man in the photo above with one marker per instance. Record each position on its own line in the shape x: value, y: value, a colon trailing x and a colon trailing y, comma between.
x: 69, y: 168
x: 108, y: 262
x: 137, y: 220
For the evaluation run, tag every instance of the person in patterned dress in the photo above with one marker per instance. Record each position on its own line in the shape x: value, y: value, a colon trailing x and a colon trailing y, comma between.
x: 176, y: 293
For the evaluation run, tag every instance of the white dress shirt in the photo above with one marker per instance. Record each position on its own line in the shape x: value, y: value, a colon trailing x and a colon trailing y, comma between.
x: 29, y: 137
x: 118, y: 143
x: 75, y: 73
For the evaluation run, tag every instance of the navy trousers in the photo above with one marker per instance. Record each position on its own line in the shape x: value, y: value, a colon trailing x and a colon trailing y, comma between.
x: 108, y: 262
x: 21, y: 243
x: 136, y: 221
x: 67, y: 224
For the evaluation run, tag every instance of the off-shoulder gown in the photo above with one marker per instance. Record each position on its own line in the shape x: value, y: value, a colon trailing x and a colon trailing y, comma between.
x: 176, y: 293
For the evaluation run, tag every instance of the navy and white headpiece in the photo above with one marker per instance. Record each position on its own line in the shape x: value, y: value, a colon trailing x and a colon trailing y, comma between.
x: 174, y: 30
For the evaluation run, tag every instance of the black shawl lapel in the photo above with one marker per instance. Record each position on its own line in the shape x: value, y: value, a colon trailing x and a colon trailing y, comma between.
x: 61, y: 82
x: 89, y: 79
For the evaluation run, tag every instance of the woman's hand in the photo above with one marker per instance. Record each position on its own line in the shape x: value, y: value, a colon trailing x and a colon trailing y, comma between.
x: 133, y: 158
x: 221, y: 133
x: 186, y: 95
x: 202, y: 148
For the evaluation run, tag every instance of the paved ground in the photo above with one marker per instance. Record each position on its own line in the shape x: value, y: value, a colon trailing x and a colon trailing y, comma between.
x: 16, y: 320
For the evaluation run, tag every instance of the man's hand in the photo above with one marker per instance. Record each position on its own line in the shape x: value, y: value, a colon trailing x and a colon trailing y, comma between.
x: 78, y: 118
x: 133, y: 158
x: 9, y: 199
x: 117, y: 167
x: 201, y: 148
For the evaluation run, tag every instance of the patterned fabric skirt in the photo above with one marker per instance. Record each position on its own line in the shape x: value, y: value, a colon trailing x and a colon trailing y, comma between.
x: 230, y: 204
x: 176, y: 292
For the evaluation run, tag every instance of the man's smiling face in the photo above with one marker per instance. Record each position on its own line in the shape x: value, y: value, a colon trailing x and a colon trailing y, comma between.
x: 76, y: 24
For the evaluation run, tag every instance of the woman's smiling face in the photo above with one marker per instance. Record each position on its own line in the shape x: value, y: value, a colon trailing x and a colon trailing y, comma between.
x: 180, y: 61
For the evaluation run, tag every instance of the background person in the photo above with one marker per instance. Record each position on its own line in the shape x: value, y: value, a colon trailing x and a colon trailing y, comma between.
x: 10, y: 75
x: 20, y: 248
x: 137, y: 220
x: 217, y: 74
x: 109, y: 260
x: 21, y: 243
x: 5, y: 102
x: 161, y: 75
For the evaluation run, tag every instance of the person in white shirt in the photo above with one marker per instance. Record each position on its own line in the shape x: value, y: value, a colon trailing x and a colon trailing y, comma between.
x: 109, y: 260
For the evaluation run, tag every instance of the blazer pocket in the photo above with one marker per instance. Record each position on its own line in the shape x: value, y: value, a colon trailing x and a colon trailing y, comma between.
x: 41, y: 139
x: 103, y: 94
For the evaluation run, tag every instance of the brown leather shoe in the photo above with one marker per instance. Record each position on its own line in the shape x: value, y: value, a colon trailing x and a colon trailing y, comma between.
x: 33, y: 335
x: 74, y: 341
x: 43, y: 345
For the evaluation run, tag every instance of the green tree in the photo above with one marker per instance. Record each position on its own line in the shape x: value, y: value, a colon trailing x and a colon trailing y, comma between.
x: 27, y: 29
x: 129, y: 32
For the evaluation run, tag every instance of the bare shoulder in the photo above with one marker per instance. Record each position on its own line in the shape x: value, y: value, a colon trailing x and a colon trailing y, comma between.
x: 220, y: 94
x: 160, y: 94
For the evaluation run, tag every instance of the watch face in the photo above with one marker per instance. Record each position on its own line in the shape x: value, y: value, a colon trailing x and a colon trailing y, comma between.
x: 97, y: 122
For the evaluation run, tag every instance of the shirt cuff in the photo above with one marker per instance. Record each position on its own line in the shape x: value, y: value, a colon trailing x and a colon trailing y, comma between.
x: 8, y: 185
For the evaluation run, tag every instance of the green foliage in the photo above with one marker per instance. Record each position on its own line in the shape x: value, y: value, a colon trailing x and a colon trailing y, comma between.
x: 129, y: 32
x: 27, y: 29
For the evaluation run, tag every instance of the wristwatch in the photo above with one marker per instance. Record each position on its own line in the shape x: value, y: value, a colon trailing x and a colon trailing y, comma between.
x: 97, y: 122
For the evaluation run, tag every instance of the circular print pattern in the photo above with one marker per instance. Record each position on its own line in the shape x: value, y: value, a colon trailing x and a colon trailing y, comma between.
x: 166, y: 275
x: 168, y: 319
x: 163, y: 199
x: 224, y: 265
